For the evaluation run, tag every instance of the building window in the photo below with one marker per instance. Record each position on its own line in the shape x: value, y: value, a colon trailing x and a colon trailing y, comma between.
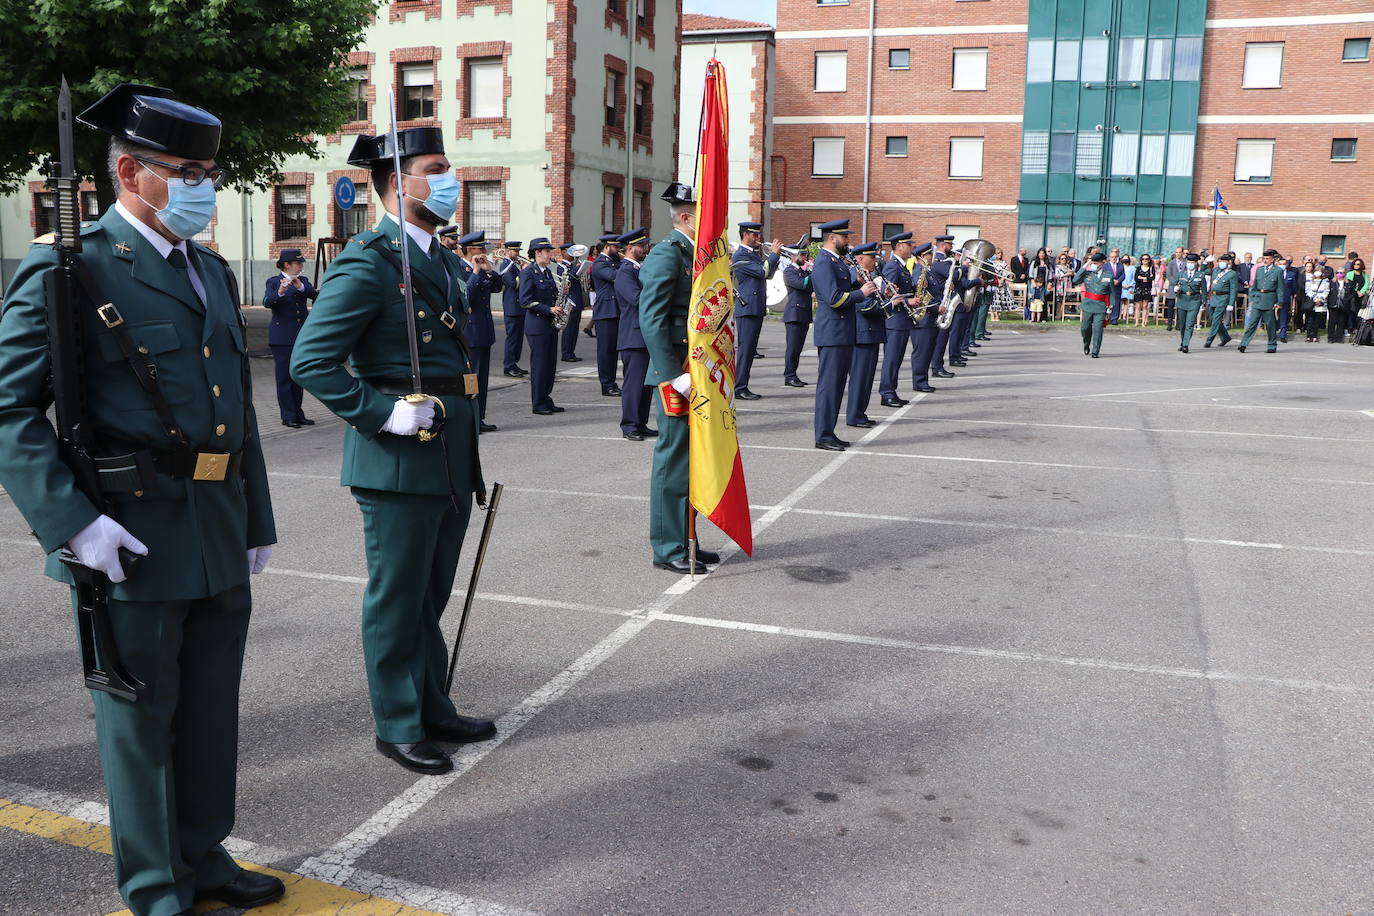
x: 827, y: 157
x: 970, y: 69
x: 44, y: 212
x: 610, y: 204
x: 482, y: 203
x: 641, y: 110
x: 1355, y: 49
x: 1061, y: 153
x: 291, y: 212
x: 1243, y: 243
x: 832, y: 71
x: 891, y: 229
x: 1255, y: 161
x: 832, y: 2
x: 965, y: 157
x: 641, y: 211
x: 1152, y: 147
x: 1158, y: 59
x: 1066, y: 59
x: 615, y: 91
x: 1035, y: 152
x: 1094, y: 61
x: 350, y: 222
x: 1188, y: 58
x: 486, y: 89
x: 1180, y: 155
x: 963, y: 233
x: 1125, y: 146
x: 641, y: 13
x: 1039, y: 60
x: 1130, y: 60
x: 1333, y: 245
x: 1343, y: 149
x: 896, y: 146
x: 359, y: 110
x: 1089, y: 153
x: 899, y: 59
x: 615, y: 7
x: 417, y: 82
x: 1263, y: 65
x: 90, y: 204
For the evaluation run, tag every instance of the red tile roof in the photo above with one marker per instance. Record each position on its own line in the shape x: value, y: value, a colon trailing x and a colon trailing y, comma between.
x: 695, y: 22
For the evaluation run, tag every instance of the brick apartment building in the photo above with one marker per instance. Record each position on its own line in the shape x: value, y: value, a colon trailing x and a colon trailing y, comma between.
x: 1063, y: 122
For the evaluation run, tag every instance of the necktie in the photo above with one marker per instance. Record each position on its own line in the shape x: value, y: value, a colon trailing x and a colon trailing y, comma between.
x: 177, y: 259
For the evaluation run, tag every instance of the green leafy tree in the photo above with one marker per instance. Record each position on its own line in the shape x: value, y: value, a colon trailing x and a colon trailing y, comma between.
x: 272, y: 71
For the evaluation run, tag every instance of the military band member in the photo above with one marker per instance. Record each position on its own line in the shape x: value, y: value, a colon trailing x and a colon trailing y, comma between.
x: 576, y: 304
x: 664, y: 302
x: 169, y: 758
x: 288, y: 296
x: 606, y: 313
x: 750, y: 269
x: 1097, y: 290
x: 538, y: 297
x: 482, y: 283
x: 1222, y: 298
x: 797, y: 313
x: 1189, y: 291
x: 512, y: 315
x: 415, y: 497
x: 942, y: 270
x: 463, y: 246
x: 448, y: 237
x: 870, y: 331
x: 1265, y: 281
x: 898, y: 327
x: 925, y: 331
x: 634, y: 354
x: 838, y: 297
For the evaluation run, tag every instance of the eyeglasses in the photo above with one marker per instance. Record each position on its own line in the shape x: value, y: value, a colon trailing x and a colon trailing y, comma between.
x: 192, y: 174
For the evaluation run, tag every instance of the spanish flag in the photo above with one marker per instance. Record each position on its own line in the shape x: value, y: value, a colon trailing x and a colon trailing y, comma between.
x: 717, y: 488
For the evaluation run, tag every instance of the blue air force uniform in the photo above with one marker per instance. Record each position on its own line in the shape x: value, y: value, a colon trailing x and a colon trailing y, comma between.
x: 870, y: 330
x: 635, y: 399
x: 606, y: 316
x: 942, y: 271
x: 513, y: 316
x: 538, y: 294
x: 289, y: 311
x: 796, y: 319
x: 836, y: 302
x: 750, y: 271
x: 577, y: 303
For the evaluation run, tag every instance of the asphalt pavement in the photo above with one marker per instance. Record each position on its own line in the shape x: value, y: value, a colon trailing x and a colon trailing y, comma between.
x: 1065, y: 636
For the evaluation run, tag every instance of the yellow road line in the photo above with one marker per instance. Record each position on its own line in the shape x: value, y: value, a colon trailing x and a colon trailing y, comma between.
x: 304, y: 896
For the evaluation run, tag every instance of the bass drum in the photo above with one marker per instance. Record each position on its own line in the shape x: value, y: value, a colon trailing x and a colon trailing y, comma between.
x: 776, y: 290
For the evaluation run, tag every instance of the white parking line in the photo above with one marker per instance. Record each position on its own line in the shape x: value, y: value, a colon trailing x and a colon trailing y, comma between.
x: 1111, y: 394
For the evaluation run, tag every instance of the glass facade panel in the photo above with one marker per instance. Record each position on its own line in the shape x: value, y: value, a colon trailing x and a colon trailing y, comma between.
x: 1124, y: 149
x: 1066, y: 60
x: 1152, y: 154
x: 1180, y: 155
x: 1188, y: 58
x: 1089, y: 154
x: 1130, y: 60
x: 1094, y: 60
x: 1061, y: 153
x: 1157, y: 64
x: 1146, y: 241
x: 1039, y: 60
x: 1035, y: 152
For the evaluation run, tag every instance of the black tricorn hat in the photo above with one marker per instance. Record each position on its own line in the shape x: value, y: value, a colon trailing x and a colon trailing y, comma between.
x: 679, y: 193
x: 414, y: 141
x: 149, y: 116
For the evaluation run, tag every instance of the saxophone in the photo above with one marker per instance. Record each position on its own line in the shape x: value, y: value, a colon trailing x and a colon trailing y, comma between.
x: 921, y: 297
x: 562, y: 279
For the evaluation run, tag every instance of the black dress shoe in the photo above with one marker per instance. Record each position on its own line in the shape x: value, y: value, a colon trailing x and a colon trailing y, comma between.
x: 486, y: 427
x: 863, y: 424
x: 461, y: 730
x: 556, y: 409
x: 635, y: 436
x: 842, y: 442
x: 797, y: 383
x: 1225, y: 342
x: 975, y: 344
x: 925, y: 388
x: 304, y: 421
x: 572, y: 359
x: 544, y: 411
x: 1207, y: 345
x: 830, y: 445
x: 894, y: 402
x: 247, y: 890
x: 682, y: 567
x: 588, y: 331
x: 959, y: 363
x: 1094, y: 356
x: 758, y: 355
x: 517, y: 372
x: 1241, y: 348
x: 744, y: 394
x: 1183, y: 349
x: 709, y: 557
x: 420, y: 757
x: 943, y: 373
x: 291, y: 423
x: 648, y: 433
x: 611, y: 392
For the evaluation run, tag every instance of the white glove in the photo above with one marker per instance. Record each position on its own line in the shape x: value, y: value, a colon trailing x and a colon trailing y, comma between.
x: 97, y: 546
x: 257, y: 558
x: 683, y: 383
x: 409, y: 418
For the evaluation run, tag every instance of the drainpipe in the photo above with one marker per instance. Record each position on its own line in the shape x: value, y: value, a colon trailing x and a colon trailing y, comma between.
x: 868, y: 111
x: 633, y: 30
x: 247, y: 265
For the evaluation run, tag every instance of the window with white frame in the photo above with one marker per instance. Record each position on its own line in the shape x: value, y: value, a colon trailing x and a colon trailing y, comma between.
x: 1039, y: 60
x: 827, y: 157
x: 1255, y: 161
x: 1355, y: 49
x: 610, y: 197
x: 482, y: 206
x: 1066, y: 59
x: 358, y: 94
x: 1094, y: 68
x: 899, y: 58
x: 832, y: 71
x: 1180, y: 162
x: 1343, y: 149
x: 292, y: 210
x: 486, y: 89
x: 417, y: 84
x: 1035, y: 152
x: 615, y: 91
x: 1088, y: 156
x: 1152, y: 147
x: 1263, y: 65
x: 970, y: 69
x: 1125, y: 146
x: 963, y: 233
x: 896, y: 146
x: 965, y: 157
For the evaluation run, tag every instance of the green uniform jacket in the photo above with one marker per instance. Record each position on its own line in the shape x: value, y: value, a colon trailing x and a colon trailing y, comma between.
x: 1094, y: 281
x: 1225, y: 287
x: 359, y: 317
x: 197, y: 532
x: 1264, y: 286
x: 665, y: 298
x: 1190, y: 287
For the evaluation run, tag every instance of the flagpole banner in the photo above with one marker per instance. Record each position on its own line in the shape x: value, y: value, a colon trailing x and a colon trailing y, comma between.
x: 717, y: 471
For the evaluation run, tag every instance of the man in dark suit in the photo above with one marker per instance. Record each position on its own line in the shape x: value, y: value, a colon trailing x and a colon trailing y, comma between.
x: 1019, y: 266
x: 1117, y: 272
x: 288, y: 295
x: 797, y: 313
x: 750, y: 269
x: 606, y: 313
x: 635, y: 398
x: 838, y: 296
x: 480, y: 331
x: 513, y: 316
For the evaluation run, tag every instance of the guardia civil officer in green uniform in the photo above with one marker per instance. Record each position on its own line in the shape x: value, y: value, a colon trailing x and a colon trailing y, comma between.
x: 1189, y: 289
x: 415, y: 495
x: 1097, y: 290
x: 664, y: 302
x: 196, y: 503
x: 1225, y: 287
x: 1265, y: 281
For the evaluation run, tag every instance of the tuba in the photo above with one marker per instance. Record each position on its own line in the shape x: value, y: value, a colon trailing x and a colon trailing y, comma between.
x: 562, y: 279
x: 977, y: 259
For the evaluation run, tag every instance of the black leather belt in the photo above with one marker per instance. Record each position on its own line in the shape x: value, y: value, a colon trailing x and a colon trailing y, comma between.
x: 400, y: 387
x: 134, y: 472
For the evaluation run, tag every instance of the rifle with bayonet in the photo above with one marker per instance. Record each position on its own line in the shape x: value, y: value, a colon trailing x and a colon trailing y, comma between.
x: 100, y: 659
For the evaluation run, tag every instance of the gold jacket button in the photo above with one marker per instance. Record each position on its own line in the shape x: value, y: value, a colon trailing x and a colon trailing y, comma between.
x: 206, y: 351
x: 143, y: 350
x: 215, y: 389
x: 420, y: 314
x: 219, y: 430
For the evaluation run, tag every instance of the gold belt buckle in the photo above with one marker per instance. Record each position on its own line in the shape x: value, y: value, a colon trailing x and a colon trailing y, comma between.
x: 211, y: 466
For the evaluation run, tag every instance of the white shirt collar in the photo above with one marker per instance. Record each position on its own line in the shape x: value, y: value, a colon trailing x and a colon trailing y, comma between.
x: 630, y: 260
x: 419, y: 236
x: 685, y: 236
x: 159, y: 243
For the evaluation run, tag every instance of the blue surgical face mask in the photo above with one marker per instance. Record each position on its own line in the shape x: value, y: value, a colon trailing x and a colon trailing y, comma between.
x: 189, y: 207
x: 443, y: 195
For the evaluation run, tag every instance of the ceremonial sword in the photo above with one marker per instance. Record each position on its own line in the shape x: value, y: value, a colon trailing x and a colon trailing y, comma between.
x: 493, y: 501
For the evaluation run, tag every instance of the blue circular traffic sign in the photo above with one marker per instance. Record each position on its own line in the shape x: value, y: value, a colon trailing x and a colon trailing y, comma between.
x: 345, y: 192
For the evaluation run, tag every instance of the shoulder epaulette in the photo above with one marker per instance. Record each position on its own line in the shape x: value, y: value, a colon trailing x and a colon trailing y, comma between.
x: 201, y: 249
x: 366, y: 238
